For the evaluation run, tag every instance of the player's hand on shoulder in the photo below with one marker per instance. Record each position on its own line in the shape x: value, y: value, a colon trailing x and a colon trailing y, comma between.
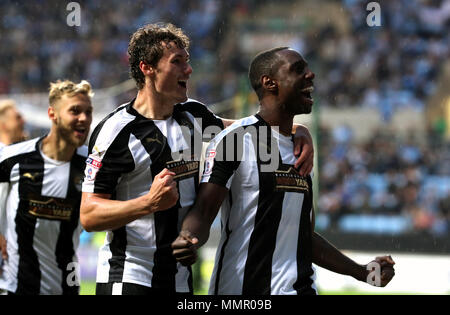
x: 304, y: 151
x: 385, y: 266
x: 163, y: 193
x: 185, y: 248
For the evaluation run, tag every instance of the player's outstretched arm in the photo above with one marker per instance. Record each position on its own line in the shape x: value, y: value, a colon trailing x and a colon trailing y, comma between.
x: 99, y: 213
x: 197, y: 223
x: 329, y: 257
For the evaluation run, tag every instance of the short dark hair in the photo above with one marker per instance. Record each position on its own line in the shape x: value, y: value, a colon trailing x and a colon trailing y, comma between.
x: 145, y: 45
x: 263, y: 64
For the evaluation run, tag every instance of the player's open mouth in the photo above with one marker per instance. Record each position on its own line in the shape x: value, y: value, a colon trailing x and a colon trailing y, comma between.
x: 80, y: 131
x: 307, y: 92
x: 182, y: 83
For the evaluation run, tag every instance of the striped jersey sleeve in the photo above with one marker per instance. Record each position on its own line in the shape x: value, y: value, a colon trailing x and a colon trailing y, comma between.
x: 211, y: 125
x: 199, y: 110
x: 109, y: 154
x: 225, y: 152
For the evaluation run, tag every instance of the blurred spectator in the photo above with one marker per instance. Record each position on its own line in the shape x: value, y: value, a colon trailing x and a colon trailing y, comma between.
x: 38, y: 46
x: 385, y: 176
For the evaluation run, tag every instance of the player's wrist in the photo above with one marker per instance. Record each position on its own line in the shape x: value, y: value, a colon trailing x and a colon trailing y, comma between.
x: 361, y: 273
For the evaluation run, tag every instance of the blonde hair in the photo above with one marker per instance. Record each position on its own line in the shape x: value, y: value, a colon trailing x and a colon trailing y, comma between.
x: 67, y: 87
x: 5, y: 105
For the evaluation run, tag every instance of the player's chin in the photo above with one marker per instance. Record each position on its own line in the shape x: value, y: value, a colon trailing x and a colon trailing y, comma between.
x: 304, y: 108
x: 78, y: 140
x: 183, y: 98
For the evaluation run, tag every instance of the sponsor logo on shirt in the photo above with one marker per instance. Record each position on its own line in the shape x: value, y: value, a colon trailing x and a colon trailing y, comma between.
x: 93, y: 162
x: 290, y: 180
x: 51, y: 208
x: 183, y: 169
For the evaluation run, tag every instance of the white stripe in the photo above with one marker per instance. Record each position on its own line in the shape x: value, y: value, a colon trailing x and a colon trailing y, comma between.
x: 44, y: 244
x: 186, y: 188
x: 18, y: 148
x: 8, y: 280
x: 284, y: 259
x: 241, y: 223
x: 117, y: 288
x: 56, y: 179
x: 104, y: 255
x: 181, y: 278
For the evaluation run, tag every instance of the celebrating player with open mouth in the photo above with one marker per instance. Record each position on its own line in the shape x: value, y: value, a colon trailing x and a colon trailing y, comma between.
x: 42, y: 213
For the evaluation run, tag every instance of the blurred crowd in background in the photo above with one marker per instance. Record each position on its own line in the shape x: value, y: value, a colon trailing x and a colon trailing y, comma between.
x: 405, y: 182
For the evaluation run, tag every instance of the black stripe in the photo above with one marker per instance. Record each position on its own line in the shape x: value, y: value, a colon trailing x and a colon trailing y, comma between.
x: 117, y: 247
x: 199, y: 110
x: 65, y: 250
x: 222, y: 251
x: 166, y: 231
x: 222, y: 255
x: 29, y: 274
x: 116, y: 161
x: 195, y: 149
x: 258, y: 267
x: 303, y: 285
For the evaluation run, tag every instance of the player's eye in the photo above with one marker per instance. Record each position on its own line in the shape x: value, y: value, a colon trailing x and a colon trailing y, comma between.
x: 300, y: 69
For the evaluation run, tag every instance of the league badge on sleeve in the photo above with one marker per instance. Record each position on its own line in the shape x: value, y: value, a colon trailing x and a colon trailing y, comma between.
x: 92, y: 167
x: 209, y: 162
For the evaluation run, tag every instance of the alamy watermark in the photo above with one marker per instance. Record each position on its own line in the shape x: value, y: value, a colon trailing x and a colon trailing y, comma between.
x: 374, y: 276
x: 74, y: 17
x: 243, y: 143
x: 73, y: 278
x: 374, y: 17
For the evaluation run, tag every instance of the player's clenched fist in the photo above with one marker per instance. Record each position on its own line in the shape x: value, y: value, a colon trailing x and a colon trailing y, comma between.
x: 163, y: 193
x: 184, y: 248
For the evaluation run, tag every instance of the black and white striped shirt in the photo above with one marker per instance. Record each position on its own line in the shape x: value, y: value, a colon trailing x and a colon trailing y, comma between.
x: 265, y: 247
x: 42, y: 219
x: 127, y: 151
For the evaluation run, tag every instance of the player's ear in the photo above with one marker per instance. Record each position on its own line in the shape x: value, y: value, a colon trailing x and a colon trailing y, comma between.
x: 52, y: 113
x: 269, y: 84
x: 146, y: 69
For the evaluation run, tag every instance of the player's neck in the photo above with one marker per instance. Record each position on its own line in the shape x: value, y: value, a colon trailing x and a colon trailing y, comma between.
x: 5, y: 139
x: 57, y: 148
x: 151, y: 105
x: 276, y: 117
